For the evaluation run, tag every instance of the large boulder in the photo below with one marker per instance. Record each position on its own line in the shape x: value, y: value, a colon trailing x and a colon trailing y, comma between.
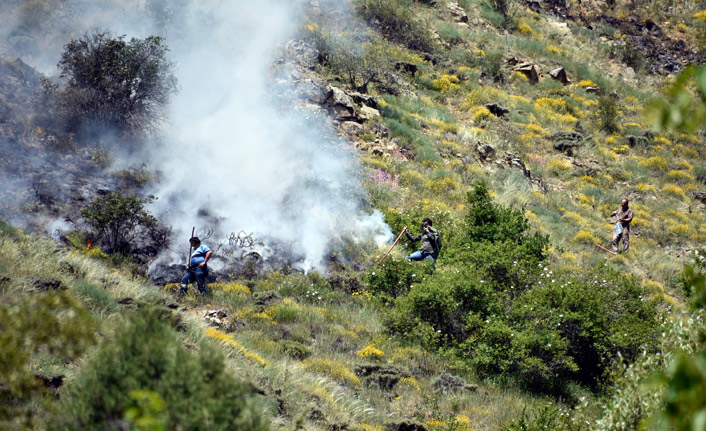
x: 341, y: 103
x: 529, y: 70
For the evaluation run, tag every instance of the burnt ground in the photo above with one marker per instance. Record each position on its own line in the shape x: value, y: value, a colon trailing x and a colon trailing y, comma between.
x: 41, y: 175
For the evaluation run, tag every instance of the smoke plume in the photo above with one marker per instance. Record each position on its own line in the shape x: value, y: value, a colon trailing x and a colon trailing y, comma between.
x: 237, y: 152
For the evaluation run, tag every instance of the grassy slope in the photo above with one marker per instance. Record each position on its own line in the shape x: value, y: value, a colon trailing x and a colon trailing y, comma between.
x: 337, y: 331
x: 658, y: 174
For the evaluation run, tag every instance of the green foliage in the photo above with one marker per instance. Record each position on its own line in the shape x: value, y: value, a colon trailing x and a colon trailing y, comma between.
x: 449, y: 33
x: 294, y: 349
x: 147, y: 413
x: 8, y: 230
x: 684, y: 107
x: 30, y: 327
x: 96, y: 296
x: 146, y: 355
x: 487, y: 221
x: 113, y: 82
x: 608, y: 114
x: 119, y: 219
x: 399, y: 22
x: 545, y: 419
x: 499, y: 306
x: 685, y: 377
x: 354, y: 58
x: 393, y: 278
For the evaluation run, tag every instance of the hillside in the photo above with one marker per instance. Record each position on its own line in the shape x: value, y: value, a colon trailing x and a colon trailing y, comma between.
x: 517, y: 127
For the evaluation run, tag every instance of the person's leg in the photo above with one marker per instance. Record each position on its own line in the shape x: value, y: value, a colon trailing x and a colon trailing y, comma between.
x: 200, y: 275
x: 417, y: 255
x: 626, y: 240
x: 185, y: 283
x: 432, y: 261
x: 616, y: 239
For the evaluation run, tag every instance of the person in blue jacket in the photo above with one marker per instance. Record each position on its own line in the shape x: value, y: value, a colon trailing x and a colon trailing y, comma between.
x: 197, y: 269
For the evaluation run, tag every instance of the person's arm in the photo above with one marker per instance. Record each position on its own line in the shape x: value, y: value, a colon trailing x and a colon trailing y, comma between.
x: 628, y: 217
x: 206, y: 258
x: 413, y: 238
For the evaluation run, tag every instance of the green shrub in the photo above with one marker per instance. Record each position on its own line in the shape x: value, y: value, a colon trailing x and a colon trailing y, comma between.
x: 349, y: 56
x: 146, y: 355
x: 96, y: 296
x: 449, y: 33
x: 489, y: 222
x: 42, y: 324
x: 399, y: 22
x: 392, y: 278
x: 608, y: 114
x: 113, y: 82
x: 294, y: 349
x: 118, y: 219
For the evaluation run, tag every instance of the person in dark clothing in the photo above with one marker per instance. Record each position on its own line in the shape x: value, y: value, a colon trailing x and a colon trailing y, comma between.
x: 197, y: 267
x: 429, y: 237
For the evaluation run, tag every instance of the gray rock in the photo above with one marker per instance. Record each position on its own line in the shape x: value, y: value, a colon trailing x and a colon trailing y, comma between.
x: 700, y: 195
x: 351, y: 128
x: 529, y: 70
x: 459, y: 15
x: 485, y: 151
x: 364, y: 99
x: 341, y: 103
x: 559, y: 74
x: 366, y: 113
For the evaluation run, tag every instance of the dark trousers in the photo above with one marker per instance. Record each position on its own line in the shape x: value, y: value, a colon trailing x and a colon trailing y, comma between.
x: 197, y: 274
x: 625, y: 236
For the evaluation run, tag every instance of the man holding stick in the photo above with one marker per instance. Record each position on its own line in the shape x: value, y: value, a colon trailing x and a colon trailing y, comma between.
x: 197, y: 267
x: 430, y: 243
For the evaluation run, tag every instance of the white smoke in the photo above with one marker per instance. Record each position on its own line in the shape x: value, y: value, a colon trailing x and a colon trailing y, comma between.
x: 235, y: 155
x: 238, y: 153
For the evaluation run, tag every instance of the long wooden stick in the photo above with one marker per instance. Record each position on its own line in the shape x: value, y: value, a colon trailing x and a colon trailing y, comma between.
x: 191, y: 247
x: 394, y: 244
x: 611, y: 252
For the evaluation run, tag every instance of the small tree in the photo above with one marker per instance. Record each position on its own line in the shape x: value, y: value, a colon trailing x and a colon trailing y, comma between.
x: 113, y: 82
x: 119, y: 219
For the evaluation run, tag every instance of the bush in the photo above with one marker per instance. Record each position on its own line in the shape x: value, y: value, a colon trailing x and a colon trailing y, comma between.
x: 47, y: 323
x: 146, y: 355
x: 399, y: 22
x: 111, y: 82
x: 489, y: 222
x: 357, y: 62
x: 119, y: 219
